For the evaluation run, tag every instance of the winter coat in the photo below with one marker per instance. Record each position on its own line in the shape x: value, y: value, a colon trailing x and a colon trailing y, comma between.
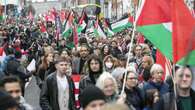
x: 49, y: 93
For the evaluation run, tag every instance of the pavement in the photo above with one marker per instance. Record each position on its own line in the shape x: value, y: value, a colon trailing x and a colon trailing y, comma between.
x: 32, y: 93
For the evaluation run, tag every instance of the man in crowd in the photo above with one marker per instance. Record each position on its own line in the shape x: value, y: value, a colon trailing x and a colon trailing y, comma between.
x: 58, y: 90
x: 7, y: 102
x: 185, y: 97
x: 137, y: 53
x: 147, y: 62
x: 78, y: 63
x: 12, y: 85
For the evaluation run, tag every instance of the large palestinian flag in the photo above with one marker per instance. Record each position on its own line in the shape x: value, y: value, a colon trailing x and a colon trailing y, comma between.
x: 121, y: 25
x: 155, y: 23
x: 183, y: 33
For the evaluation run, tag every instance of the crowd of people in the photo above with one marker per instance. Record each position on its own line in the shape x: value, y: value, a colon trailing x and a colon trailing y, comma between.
x: 100, y: 63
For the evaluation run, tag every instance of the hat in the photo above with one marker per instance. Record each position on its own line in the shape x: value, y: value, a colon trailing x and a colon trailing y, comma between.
x: 6, y: 101
x: 89, y: 94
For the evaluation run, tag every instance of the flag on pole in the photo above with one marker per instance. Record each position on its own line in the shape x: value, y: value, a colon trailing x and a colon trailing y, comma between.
x: 107, y: 28
x: 157, y: 27
x: 83, y: 21
x: 68, y: 26
x: 98, y: 30
x: 121, y: 25
x: 183, y: 33
x: 165, y: 63
x: 154, y: 22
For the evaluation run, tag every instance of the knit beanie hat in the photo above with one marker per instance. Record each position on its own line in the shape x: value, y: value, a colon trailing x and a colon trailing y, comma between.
x: 89, y: 94
x: 6, y: 101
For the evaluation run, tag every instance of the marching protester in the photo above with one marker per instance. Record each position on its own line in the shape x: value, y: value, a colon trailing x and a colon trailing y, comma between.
x: 109, y: 63
x: 156, y: 81
x: 12, y: 85
x: 107, y: 83
x: 57, y: 92
x: 7, y: 102
x: 92, y: 98
x: 95, y: 69
x: 184, y: 97
x: 46, y: 64
x: 135, y: 96
x: 78, y: 62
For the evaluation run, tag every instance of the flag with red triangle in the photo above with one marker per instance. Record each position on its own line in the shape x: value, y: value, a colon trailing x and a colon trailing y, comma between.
x: 165, y: 63
x: 183, y: 33
x: 83, y: 21
x: 155, y: 23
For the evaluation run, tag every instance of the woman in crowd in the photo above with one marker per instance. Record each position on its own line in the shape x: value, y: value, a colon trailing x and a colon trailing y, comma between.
x: 95, y: 69
x: 64, y: 53
x: 106, y: 50
x: 135, y: 96
x: 156, y: 81
x: 45, y: 65
x: 108, y: 85
x: 109, y: 63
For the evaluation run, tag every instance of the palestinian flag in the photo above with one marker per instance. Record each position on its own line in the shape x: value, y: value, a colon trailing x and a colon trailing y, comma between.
x: 107, y: 28
x: 83, y: 21
x: 183, y: 33
x: 68, y: 26
x: 154, y: 22
x: 121, y: 25
x: 73, y: 40
x: 165, y: 63
x: 98, y: 30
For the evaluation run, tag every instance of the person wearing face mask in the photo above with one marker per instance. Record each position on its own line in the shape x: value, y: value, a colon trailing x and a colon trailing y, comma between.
x: 109, y: 63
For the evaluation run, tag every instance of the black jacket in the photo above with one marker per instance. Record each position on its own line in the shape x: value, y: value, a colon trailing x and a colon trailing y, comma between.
x: 49, y: 94
x: 85, y: 82
x: 135, y: 98
x: 167, y: 102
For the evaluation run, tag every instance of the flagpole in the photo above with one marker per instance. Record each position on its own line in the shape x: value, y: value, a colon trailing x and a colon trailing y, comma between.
x: 174, y: 86
x: 130, y: 48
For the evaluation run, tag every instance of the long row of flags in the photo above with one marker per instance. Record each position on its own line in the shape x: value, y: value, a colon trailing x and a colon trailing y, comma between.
x: 67, y: 22
x: 171, y: 31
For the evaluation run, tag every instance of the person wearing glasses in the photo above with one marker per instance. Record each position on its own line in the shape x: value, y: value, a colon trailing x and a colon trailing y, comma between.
x: 155, y: 81
x: 134, y: 95
x: 185, y: 95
